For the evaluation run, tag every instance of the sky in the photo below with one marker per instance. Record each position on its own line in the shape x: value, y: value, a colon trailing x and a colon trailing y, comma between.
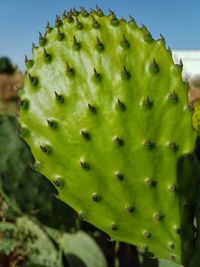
x: 21, y: 20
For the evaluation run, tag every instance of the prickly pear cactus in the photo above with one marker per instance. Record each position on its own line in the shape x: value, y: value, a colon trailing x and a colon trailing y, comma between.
x: 104, y: 110
x: 196, y: 116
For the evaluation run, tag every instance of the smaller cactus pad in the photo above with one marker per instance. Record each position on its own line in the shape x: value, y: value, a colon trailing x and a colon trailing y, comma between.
x: 104, y: 110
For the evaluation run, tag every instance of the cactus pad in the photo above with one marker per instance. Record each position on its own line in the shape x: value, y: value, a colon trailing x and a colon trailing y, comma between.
x: 196, y: 116
x: 104, y: 110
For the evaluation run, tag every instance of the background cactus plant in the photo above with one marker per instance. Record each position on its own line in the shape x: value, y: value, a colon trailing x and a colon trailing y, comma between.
x: 104, y: 109
x: 25, y: 242
x: 26, y: 188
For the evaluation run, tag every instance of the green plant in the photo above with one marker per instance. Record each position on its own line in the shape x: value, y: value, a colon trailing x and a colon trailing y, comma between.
x: 104, y: 109
x: 25, y: 187
x: 6, y: 65
x: 25, y: 242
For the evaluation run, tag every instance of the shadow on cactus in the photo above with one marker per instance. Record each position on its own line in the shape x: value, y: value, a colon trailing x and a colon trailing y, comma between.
x: 105, y: 112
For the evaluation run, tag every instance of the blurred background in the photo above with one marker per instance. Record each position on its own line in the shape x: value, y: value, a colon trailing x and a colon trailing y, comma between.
x: 35, y: 228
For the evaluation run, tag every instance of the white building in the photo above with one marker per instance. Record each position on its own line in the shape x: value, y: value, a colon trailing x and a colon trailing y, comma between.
x: 191, y: 62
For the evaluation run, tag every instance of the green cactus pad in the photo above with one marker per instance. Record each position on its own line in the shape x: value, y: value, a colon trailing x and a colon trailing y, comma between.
x: 105, y: 113
x: 196, y: 116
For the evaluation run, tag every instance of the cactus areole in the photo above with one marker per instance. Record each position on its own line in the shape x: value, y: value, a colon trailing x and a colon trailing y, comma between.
x: 104, y: 110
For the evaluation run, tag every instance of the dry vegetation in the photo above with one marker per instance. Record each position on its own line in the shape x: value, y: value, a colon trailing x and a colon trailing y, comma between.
x: 9, y: 84
x: 11, y: 79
